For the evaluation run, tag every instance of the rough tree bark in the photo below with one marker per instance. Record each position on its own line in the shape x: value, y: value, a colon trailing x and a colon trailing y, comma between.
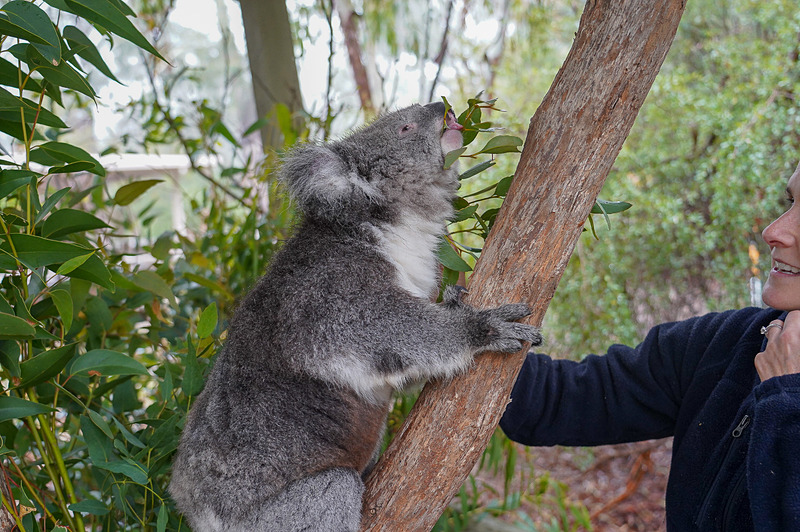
x: 572, y: 142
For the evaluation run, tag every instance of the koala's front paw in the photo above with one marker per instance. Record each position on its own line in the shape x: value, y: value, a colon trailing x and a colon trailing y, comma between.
x: 503, y: 334
x: 452, y: 295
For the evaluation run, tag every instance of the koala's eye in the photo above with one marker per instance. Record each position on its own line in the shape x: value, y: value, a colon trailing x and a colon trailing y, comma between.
x: 408, y: 128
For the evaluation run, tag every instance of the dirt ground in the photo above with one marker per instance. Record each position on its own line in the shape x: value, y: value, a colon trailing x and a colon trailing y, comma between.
x: 621, y: 486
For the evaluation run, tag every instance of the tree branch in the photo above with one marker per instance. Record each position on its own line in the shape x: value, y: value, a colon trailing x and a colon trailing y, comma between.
x: 571, y: 145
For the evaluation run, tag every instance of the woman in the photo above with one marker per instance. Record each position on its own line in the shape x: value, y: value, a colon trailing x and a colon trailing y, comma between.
x: 725, y: 385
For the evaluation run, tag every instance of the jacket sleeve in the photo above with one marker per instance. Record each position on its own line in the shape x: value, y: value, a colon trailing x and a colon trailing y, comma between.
x: 628, y: 394
x: 773, y: 464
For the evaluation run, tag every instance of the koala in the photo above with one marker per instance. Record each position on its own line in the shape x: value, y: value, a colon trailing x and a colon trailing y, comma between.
x: 294, y: 409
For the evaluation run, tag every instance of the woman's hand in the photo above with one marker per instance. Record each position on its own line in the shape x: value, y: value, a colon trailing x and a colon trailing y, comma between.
x: 782, y: 355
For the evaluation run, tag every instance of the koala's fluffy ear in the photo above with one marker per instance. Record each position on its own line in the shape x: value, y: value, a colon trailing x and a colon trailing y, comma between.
x: 319, y: 180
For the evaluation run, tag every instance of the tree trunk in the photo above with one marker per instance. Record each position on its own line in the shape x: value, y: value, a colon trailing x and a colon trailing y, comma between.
x: 348, y: 19
x: 7, y: 522
x: 572, y: 142
x: 270, y: 51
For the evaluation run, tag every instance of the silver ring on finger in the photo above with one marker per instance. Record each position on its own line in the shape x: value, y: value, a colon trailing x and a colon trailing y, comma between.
x: 767, y: 327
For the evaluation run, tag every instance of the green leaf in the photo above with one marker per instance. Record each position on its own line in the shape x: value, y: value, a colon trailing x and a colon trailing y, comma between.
x: 163, y: 518
x: 100, y: 447
x: 27, y: 21
x: 128, y: 435
x: 255, y: 126
x: 16, y: 408
x: 50, y: 202
x: 152, y: 282
x: 192, y: 376
x: 35, y: 252
x: 127, y: 193
x: 13, y: 180
x: 451, y: 157
x: 208, y: 283
x: 10, y: 110
x: 133, y: 470
x: 13, y: 327
x: 465, y: 214
x: 107, y: 362
x: 477, y: 169
x: 89, y: 506
x: 59, y: 74
x: 10, y: 74
x: 220, y: 128
x: 503, y: 185
x: 73, y: 264
x: 110, y: 16
x: 51, y: 153
x: 208, y: 321
x: 100, y: 423
x: 450, y: 259
x: 65, y: 221
x: 502, y: 144
x: 63, y: 302
x: 5, y: 306
x: 45, y: 365
x: 85, y: 49
x: 610, y: 207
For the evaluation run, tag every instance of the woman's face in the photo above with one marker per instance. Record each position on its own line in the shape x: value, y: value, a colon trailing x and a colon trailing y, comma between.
x: 782, y: 290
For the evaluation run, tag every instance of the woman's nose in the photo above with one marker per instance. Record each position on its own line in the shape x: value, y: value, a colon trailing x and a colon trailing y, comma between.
x: 782, y: 232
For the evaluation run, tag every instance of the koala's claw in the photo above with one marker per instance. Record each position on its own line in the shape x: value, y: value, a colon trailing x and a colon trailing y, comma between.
x: 453, y: 294
x: 512, y: 311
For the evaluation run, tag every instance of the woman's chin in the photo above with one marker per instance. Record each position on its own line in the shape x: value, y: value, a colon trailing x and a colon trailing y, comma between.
x: 782, y: 294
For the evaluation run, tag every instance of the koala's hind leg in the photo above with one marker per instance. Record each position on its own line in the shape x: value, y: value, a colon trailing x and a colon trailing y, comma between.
x: 329, y: 501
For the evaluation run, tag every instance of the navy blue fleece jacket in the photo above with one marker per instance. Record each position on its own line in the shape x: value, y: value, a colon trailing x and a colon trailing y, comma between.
x: 736, y: 449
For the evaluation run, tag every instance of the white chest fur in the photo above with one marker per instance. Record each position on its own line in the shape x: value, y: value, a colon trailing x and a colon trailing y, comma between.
x: 411, y: 247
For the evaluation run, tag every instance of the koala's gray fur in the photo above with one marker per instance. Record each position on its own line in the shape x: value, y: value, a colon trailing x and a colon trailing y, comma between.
x: 294, y: 409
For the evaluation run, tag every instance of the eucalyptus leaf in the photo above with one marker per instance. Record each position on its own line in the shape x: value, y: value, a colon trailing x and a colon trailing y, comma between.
x: 63, y: 302
x: 14, y: 327
x: 477, y: 169
x: 10, y: 106
x: 110, y: 16
x: 66, y: 221
x: 503, y: 185
x: 208, y: 321
x: 16, y: 408
x: 451, y: 157
x: 107, y: 362
x: 152, y: 282
x: 27, y: 21
x: 50, y: 202
x: 450, y: 259
x: 502, y: 144
x: 610, y: 207
x: 85, y: 49
x: 13, y: 180
x: 128, y: 193
x: 51, y: 153
x: 10, y: 75
x: 45, y: 365
x: 89, y: 506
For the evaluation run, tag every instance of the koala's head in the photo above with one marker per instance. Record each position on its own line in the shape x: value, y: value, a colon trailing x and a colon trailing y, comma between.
x: 390, y: 168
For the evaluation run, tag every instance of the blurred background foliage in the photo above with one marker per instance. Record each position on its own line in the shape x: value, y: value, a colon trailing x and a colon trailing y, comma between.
x: 137, y: 146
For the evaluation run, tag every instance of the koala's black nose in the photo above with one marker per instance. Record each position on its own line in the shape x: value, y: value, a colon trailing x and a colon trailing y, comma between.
x: 436, y: 107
